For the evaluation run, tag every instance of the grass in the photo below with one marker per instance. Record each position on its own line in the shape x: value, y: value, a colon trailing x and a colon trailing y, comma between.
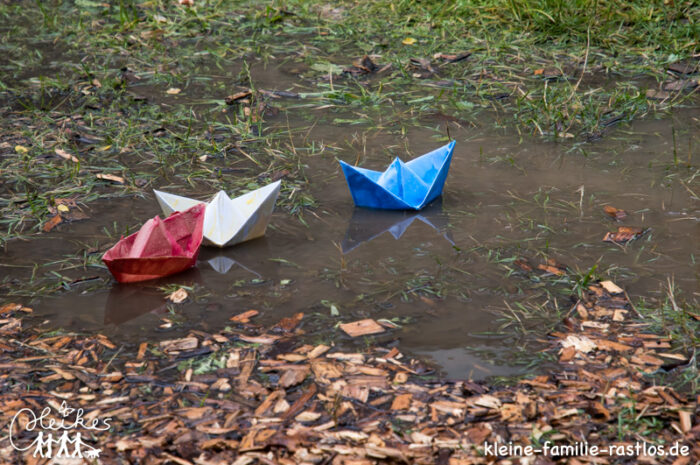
x: 561, y: 70
x: 92, y: 78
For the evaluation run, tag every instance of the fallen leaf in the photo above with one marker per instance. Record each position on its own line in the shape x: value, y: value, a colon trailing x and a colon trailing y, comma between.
x: 624, y: 234
x: 288, y: 324
x: 231, y: 99
x: 178, y: 296
x: 614, y: 212
x: 245, y: 316
x: 657, y: 94
x: 52, y: 223
x: 452, y: 58
x: 65, y: 155
x: 408, y: 41
x: 173, y: 91
x: 110, y: 177
x: 21, y: 149
x: 611, y: 287
x: 362, y: 328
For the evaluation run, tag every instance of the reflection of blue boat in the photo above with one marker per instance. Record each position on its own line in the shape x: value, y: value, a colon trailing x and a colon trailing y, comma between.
x: 402, y: 186
x: 365, y: 225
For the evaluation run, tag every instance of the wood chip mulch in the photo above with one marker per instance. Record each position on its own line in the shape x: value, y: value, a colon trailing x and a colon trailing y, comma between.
x: 268, y: 398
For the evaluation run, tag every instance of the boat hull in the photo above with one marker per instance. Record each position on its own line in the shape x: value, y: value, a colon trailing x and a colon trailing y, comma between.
x: 159, y: 248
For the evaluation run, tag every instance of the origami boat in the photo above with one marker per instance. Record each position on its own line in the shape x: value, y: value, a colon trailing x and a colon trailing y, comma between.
x: 229, y: 221
x: 366, y: 225
x: 160, y: 248
x: 402, y: 186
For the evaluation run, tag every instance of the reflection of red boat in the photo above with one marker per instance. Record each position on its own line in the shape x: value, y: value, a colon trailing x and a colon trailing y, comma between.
x: 160, y: 248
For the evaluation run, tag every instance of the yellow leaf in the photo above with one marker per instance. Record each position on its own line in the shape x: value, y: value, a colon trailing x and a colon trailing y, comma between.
x: 408, y: 41
x: 63, y: 208
x: 173, y: 91
x: 21, y: 149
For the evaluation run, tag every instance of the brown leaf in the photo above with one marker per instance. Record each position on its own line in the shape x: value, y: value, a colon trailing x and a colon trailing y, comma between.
x: 288, y: 324
x: 614, y: 212
x: 66, y: 156
x: 624, y: 234
x: 245, y: 316
x: 523, y: 264
x: 52, y: 223
x: 362, y: 328
x: 110, y: 177
x: 611, y: 287
x: 231, y: 99
x: 452, y: 58
x: 551, y: 269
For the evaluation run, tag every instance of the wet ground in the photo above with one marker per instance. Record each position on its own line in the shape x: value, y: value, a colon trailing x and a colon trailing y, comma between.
x: 445, y: 276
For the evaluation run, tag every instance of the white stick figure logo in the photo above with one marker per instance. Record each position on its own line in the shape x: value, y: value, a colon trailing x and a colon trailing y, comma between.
x: 58, y: 436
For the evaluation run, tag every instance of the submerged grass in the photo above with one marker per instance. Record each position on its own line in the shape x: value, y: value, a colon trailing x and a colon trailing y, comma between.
x: 101, y: 71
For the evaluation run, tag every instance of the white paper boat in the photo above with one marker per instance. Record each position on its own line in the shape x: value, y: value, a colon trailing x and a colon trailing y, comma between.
x: 229, y: 221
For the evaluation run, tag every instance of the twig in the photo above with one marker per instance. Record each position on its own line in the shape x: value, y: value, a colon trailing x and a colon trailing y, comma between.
x: 585, y: 64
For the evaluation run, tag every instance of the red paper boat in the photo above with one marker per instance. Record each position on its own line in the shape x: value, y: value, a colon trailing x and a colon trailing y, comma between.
x: 160, y: 248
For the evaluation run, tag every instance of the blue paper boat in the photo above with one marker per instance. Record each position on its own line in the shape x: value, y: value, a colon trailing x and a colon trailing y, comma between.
x: 402, y: 186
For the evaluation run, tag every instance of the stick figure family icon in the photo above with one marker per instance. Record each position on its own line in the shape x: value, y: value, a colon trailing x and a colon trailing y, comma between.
x: 165, y: 247
x: 49, y: 435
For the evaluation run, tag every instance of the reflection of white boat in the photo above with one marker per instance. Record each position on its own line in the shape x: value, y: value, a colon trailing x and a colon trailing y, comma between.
x: 223, y: 264
x: 365, y: 224
x: 229, y: 221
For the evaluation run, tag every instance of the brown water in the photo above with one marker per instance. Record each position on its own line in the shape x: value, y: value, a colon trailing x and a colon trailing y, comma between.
x: 436, y: 273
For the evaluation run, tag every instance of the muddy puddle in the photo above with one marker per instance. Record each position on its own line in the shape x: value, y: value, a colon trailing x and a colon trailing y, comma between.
x: 443, y: 276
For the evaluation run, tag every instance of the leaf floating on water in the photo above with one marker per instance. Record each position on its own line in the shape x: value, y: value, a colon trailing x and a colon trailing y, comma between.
x: 231, y: 99
x: 624, y: 234
x: 552, y: 267
x: 611, y: 287
x: 362, y: 328
x: 52, y: 223
x: 288, y: 324
x: 178, y: 296
x: 245, y: 316
x: 614, y: 212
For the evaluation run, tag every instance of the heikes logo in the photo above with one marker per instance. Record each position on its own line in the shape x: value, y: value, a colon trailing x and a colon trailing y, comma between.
x: 57, y: 436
